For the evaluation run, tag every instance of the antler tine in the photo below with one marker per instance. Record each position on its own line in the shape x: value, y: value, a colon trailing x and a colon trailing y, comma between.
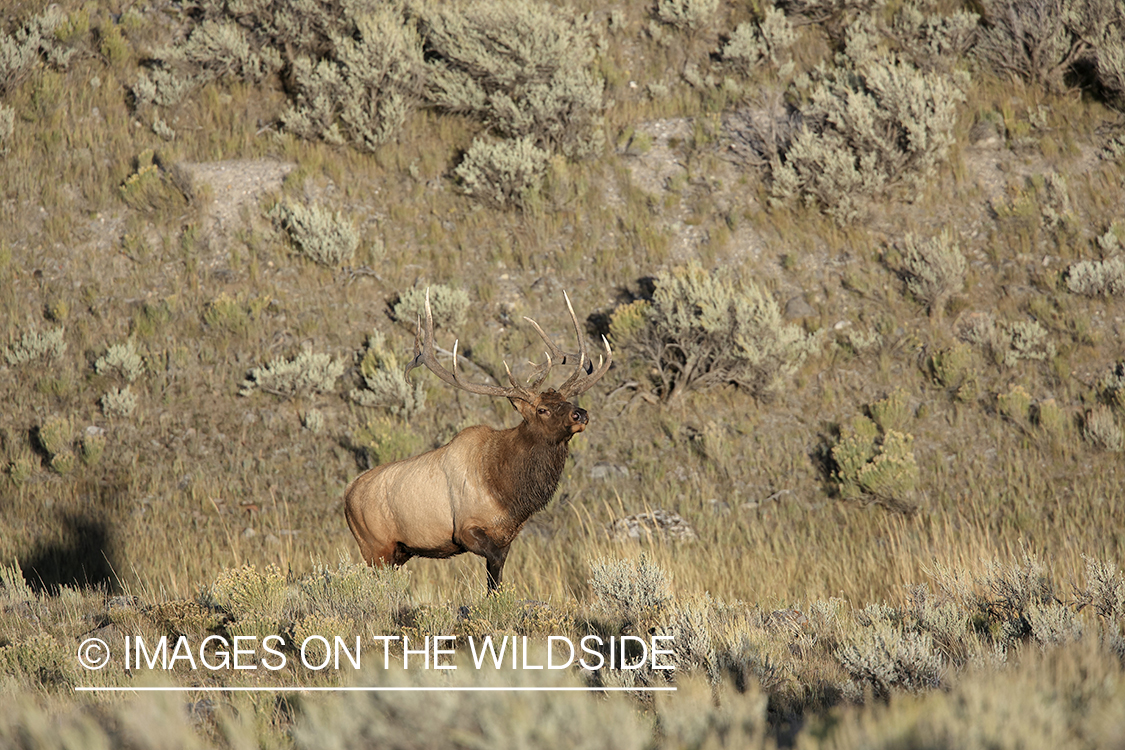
x: 580, y: 382
x: 426, y: 355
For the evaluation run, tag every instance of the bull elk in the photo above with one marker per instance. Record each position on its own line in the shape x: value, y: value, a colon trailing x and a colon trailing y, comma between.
x: 476, y: 492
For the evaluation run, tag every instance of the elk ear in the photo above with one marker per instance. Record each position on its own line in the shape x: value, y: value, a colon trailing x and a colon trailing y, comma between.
x: 525, y: 408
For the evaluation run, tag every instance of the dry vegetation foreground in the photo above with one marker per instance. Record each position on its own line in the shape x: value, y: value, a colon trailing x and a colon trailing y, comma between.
x: 859, y: 454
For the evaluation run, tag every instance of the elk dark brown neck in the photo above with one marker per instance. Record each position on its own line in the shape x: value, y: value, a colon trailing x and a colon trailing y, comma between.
x: 525, y: 470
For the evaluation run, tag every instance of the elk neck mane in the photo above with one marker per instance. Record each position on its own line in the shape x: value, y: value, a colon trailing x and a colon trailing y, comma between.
x: 524, y: 469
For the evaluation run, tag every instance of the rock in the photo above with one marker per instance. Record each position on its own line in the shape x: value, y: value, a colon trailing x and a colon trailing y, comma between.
x: 606, y: 470
x: 659, y: 523
x: 797, y: 307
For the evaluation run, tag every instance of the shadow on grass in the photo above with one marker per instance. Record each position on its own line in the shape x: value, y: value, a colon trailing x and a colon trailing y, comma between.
x: 82, y: 559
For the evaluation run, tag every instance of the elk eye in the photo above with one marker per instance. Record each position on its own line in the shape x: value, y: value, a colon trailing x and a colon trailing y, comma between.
x: 543, y: 411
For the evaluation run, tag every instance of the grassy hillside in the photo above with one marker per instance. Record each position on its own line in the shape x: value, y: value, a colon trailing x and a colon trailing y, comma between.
x: 860, y: 262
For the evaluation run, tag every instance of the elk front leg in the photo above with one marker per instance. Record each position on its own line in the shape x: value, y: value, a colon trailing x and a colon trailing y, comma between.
x: 478, y: 542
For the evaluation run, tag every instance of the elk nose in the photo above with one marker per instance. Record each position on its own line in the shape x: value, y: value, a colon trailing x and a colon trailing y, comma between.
x: 579, y: 416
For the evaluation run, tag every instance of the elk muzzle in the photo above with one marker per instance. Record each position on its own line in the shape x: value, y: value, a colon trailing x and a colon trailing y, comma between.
x: 578, y: 419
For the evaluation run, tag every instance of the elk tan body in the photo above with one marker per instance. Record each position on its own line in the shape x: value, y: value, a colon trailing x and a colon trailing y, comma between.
x: 475, y: 493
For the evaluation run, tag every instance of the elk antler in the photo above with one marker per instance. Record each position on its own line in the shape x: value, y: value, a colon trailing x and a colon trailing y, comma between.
x: 424, y: 355
x: 584, y: 375
x: 580, y: 381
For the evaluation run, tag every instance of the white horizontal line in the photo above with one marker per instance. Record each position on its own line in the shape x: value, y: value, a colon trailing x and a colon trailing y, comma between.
x: 434, y: 689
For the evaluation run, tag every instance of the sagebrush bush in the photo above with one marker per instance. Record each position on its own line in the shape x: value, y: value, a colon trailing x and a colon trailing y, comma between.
x: 934, y: 269
x: 504, y: 174
x: 1009, y: 343
x: 882, y: 657
x: 322, y: 237
x: 363, y: 94
x: 874, y: 466
x: 29, y: 44
x: 448, y: 305
x: 385, y: 384
x: 1102, y: 431
x: 703, y: 329
x: 687, y: 15
x: 871, y: 124
x: 7, y: 128
x: 248, y: 592
x: 351, y: 591
x: 633, y: 590
x: 1049, y: 43
x: 1097, y: 278
x: 751, y: 43
x: 119, y: 402
x: 524, y: 68
x: 355, y: 69
x: 305, y: 374
x: 819, y: 11
x: 34, y: 346
x: 122, y: 360
x: 933, y: 41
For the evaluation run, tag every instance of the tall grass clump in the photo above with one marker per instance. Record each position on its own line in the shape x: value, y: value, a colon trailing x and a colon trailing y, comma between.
x: 702, y: 329
x: 525, y: 69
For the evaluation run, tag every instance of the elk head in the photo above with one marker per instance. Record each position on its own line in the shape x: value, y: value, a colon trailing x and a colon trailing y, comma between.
x: 549, y: 412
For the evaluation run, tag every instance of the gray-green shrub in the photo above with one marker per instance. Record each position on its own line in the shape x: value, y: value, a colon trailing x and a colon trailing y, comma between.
x: 871, y: 124
x: 686, y: 15
x: 1009, y: 343
x: 363, y: 94
x: 448, y: 305
x: 119, y: 402
x: 121, y: 359
x: 633, y: 590
x: 703, y: 329
x: 305, y: 374
x: 384, y: 383
x: 33, y: 346
x: 36, y: 40
x: 323, y: 237
x: 524, y: 68
x: 1097, y: 278
x: 752, y: 43
x: 503, y: 174
x: 934, y: 269
x: 1045, y: 42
